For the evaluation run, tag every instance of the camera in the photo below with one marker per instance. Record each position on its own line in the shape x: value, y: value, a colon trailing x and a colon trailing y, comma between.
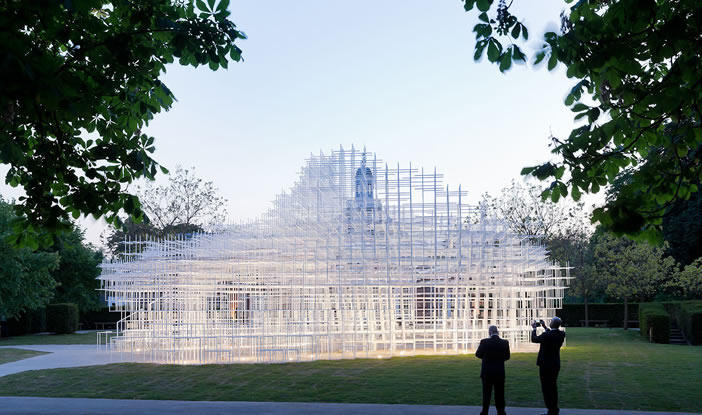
x: 535, y: 324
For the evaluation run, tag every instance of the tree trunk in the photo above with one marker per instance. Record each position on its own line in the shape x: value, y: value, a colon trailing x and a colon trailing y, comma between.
x: 626, y: 313
x: 587, y: 317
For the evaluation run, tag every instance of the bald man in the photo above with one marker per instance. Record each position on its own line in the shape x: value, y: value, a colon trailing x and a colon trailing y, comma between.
x: 549, y: 361
x: 494, y: 351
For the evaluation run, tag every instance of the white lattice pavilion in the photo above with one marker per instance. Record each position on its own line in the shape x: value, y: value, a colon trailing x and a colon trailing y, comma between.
x: 357, y: 260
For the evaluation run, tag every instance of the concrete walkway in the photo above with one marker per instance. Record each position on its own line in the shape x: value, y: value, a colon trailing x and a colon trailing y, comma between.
x: 60, y: 355
x: 56, y: 406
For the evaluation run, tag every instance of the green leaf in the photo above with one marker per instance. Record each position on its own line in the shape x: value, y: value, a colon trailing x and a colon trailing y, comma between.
x: 552, y: 61
x: 555, y: 196
x: 575, y: 193
x: 525, y: 32
x: 540, y: 55
x: 515, y: 31
x: 484, y: 5
x: 235, y: 54
x: 517, y: 54
x: 505, y: 61
x: 222, y: 6
x: 493, y: 50
x: 484, y: 17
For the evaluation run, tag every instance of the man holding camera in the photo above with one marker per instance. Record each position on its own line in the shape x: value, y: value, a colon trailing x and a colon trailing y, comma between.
x: 549, y: 360
x: 494, y: 351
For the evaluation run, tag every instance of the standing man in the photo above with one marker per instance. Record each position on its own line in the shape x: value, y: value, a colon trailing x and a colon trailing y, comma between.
x: 549, y: 361
x: 494, y: 351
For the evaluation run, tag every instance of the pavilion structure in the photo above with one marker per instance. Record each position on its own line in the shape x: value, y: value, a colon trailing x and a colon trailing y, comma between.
x: 357, y: 260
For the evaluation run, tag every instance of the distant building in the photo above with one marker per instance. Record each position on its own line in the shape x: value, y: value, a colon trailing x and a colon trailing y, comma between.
x: 357, y: 260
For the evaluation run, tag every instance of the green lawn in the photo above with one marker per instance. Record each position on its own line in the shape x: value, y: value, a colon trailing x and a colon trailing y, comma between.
x: 602, y: 369
x: 82, y: 338
x: 13, y: 355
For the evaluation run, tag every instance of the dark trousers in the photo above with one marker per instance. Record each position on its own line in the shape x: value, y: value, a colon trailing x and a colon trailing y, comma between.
x: 498, y: 382
x: 549, y: 388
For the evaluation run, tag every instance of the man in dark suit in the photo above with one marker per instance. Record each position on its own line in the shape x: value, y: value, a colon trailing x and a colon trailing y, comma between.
x: 494, y: 351
x: 549, y: 361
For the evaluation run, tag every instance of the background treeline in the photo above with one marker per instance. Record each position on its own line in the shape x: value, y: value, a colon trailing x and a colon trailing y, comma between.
x: 607, y: 268
x: 65, y: 271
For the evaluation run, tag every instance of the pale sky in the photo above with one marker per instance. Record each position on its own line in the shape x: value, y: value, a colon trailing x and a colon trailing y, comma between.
x: 395, y: 76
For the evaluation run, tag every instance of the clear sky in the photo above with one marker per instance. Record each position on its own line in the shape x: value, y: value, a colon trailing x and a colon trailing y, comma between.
x: 395, y: 76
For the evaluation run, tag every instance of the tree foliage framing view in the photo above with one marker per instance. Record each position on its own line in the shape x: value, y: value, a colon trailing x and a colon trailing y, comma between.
x: 79, y: 80
x: 638, y: 95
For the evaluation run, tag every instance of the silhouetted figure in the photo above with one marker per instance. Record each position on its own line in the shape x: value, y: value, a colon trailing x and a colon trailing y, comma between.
x: 549, y: 361
x: 494, y: 351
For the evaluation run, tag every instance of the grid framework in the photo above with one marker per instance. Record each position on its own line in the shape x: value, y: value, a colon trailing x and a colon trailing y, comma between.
x: 358, y: 259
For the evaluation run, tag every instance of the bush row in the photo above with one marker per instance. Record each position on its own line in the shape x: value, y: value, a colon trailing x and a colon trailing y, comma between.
x: 62, y: 318
x: 688, y: 316
x: 35, y: 321
x: 571, y: 314
x: 103, y: 315
x: 56, y: 318
x: 655, y: 322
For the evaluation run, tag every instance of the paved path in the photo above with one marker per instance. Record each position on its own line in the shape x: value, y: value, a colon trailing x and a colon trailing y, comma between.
x: 60, y: 355
x: 56, y: 406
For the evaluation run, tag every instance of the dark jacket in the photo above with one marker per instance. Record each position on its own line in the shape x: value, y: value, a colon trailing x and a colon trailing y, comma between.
x: 550, y: 349
x: 494, y: 351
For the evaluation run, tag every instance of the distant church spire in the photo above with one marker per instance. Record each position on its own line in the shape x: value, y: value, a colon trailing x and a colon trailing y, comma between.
x: 364, y: 181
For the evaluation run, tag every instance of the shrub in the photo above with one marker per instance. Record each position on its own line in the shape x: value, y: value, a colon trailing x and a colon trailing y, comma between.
x: 62, y: 318
x: 571, y: 314
x: 690, y: 321
x: 39, y: 320
x: 103, y: 315
x: 20, y: 325
x: 655, y: 322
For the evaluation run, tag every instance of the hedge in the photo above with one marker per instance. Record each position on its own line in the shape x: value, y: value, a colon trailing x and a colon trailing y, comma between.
x: 20, y: 325
x: 655, y: 322
x: 571, y: 314
x: 688, y: 316
x: 62, y: 318
x: 103, y: 315
x: 39, y: 320
x: 691, y: 321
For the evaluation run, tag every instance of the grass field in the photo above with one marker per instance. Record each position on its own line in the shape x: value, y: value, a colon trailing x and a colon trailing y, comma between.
x: 82, y: 338
x: 601, y: 369
x: 13, y: 355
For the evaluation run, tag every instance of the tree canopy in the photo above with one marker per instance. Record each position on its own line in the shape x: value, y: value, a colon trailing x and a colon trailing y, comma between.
x: 523, y: 209
x: 682, y: 230
x: 637, y: 96
x: 185, y: 205
x: 79, y: 81
x: 65, y: 272
x: 25, y: 274
x: 186, y: 200
x: 77, y: 271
